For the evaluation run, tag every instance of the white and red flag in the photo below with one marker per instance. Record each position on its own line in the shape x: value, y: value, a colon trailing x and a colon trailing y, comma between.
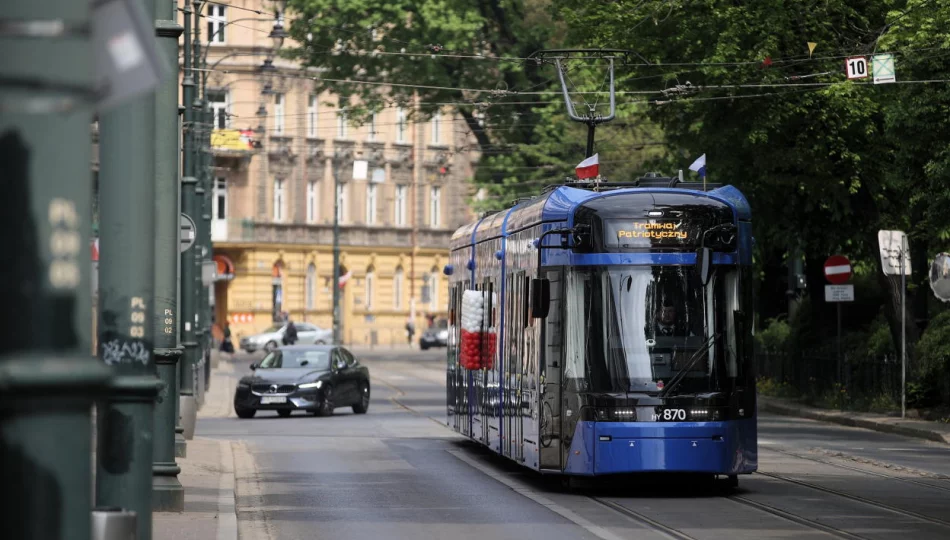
x: 589, y: 168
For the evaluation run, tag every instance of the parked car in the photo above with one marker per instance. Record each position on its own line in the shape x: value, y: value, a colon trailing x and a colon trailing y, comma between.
x: 434, y: 337
x: 273, y: 337
x: 313, y: 378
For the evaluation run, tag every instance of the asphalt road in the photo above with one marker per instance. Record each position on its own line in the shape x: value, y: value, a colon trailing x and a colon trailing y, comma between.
x: 397, y: 473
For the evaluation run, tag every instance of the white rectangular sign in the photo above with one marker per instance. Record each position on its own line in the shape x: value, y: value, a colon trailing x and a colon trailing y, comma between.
x: 360, y: 169
x: 839, y: 293
x: 883, y: 68
x: 893, y: 245
x: 856, y: 67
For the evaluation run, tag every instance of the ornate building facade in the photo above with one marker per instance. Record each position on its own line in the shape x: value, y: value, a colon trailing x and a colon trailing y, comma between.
x: 276, y: 147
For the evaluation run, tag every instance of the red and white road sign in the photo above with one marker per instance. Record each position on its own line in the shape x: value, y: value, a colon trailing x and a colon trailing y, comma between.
x: 837, y: 269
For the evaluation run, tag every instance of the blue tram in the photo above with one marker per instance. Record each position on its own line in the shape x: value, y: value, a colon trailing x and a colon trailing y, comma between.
x: 621, y: 324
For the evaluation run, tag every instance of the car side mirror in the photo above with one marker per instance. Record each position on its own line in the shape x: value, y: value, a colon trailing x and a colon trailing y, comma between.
x: 254, y: 366
x: 704, y: 264
x: 540, y: 297
x: 340, y: 365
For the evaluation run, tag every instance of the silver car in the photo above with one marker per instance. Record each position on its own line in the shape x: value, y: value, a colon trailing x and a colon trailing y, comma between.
x: 273, y: 337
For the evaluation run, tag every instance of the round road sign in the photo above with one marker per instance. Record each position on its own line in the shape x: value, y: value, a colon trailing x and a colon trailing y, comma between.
x: 187, y: 236
x: 837, y: 269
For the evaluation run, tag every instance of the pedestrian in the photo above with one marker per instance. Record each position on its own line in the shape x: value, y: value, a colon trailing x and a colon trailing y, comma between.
x: 290, y: 333
x: 227, y: 346
x: 410, y: 331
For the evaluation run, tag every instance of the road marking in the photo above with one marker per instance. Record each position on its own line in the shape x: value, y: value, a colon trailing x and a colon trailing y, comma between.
x: 521, y: 489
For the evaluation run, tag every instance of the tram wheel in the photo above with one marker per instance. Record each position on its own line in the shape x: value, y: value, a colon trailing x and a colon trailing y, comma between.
x: 733, y: 481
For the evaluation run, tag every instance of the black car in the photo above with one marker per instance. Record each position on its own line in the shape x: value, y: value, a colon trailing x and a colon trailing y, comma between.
x: 434, y: 337
x: 314, y: 378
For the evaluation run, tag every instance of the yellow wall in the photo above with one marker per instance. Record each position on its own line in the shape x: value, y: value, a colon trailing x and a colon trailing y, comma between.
x: 251, y: 289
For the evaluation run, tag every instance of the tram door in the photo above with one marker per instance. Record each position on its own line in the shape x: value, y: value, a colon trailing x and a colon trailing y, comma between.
x: 455, y: 388
x: 514, y: 359
x: 551, y: 355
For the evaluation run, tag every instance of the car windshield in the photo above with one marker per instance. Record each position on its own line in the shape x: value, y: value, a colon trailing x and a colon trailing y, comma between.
x: 633, y: 328
x: 274, y: 328
x: 316, y: 359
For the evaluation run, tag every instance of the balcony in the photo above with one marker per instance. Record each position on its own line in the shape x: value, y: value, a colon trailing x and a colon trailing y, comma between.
x: 251, y: 231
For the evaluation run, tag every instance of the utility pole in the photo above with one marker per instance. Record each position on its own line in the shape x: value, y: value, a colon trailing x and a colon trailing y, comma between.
x: 189, y: 209
x: 126, y: 416
x: 167, y: 492
x: 47, y: 374
x: 200, y: 128
x: 204, y: 230
x: 338, y: 157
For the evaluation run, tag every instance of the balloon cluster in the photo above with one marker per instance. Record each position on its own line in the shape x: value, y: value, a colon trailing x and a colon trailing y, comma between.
x: 477, y: 347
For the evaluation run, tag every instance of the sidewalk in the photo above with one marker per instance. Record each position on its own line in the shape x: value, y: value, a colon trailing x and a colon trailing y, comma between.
x: 208, y: 476
x: 921, y: 429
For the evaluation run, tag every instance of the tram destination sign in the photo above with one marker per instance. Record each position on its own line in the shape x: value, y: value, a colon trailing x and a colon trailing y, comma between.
x: 645, y: 233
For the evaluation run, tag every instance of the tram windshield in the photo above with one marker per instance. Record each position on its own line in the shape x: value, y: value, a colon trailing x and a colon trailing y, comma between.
x: 633, y: 328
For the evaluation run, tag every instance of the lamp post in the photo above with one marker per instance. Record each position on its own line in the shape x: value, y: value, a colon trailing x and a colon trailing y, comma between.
x: 47, y: 375
x: 167, y: 492
x: 338, y: 158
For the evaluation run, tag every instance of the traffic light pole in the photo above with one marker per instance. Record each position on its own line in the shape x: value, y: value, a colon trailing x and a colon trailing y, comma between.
x: 48, y: 377
x: 126, y: 416
x: 167, y: 492
x: 188, y: 406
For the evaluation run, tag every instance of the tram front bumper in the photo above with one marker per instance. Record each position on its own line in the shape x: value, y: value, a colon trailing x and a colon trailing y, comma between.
x: 600, y: 448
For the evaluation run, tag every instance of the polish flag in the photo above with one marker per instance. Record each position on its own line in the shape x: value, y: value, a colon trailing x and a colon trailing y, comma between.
x: 589, y: 168
x: 95, y: 250
x: 344, y: 278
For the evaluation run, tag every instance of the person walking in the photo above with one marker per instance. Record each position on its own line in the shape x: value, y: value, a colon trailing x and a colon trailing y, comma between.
x: 227, y: 346
x: 290, y: 334
x: 410, y: 331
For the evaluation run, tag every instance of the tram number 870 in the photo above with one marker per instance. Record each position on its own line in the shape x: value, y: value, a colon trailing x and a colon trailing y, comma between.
x: 670, y: 415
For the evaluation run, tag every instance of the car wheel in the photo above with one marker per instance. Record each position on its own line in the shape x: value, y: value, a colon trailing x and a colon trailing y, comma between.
x: 271, y: 346
x: 363, y: 405
x: 245, y: 413
x: 284, y: 413
x: 326, y: 407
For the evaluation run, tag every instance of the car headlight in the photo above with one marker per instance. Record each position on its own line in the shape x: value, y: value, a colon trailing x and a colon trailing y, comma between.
x: 243, y: 384
x: 304, y: 386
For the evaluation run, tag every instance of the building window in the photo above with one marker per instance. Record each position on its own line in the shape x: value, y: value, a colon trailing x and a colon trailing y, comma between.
x: 436, y: 123
x: 341, y: 201
x: 400, y: 125
x: 220, y: 200
x: 398, y: 283
x: 401, y: 205
x: 217, y: 20
x: 426, y: 292
x: 341, y: 124
x: 311, y: 286
x: 435, y: 206
x: 218, y: 100
x: 278, y: 114
x: 311, y: 202
x: 370, y: 288
x: 371, y: 204
x: 371, y: 136
x: 311, y: 116
x: 434, y: 294
x: 279, y: 199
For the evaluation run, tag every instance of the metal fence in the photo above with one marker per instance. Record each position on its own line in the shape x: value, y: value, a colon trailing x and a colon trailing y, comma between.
x: 819, y: 374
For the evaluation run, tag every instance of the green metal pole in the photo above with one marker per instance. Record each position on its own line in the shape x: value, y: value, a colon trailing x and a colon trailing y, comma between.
x: 188, y: 184
x: 201, y: 173
x: 167, y: 492
x: 205, y: 229
x: 48, y: 378
x: 126, y: 416
x: 337, y: 162
x: 181, y: 446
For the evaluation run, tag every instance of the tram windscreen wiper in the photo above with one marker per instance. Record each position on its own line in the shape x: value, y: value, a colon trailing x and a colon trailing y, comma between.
x: 681, y: 374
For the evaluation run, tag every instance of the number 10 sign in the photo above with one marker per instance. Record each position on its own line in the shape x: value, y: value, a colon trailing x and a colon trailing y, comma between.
x: 856, y: 67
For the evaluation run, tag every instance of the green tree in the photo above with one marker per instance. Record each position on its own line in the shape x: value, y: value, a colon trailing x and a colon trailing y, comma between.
x: 448, y: 53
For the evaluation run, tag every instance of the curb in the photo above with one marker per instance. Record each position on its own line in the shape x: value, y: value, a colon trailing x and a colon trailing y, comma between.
x: 776, y: 407
x: 227, y: 504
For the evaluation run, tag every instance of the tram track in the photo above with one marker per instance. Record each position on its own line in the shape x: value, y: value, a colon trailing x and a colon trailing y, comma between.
x: 794, y: 518
x: 863, y: 471
x: 857, y: 498
x: 642, y: 519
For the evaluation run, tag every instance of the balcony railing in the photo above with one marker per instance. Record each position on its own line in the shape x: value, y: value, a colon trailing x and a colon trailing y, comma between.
x: 248, y: 230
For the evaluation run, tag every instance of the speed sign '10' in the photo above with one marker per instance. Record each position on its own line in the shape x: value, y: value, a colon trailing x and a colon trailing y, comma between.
x: 856, y: 67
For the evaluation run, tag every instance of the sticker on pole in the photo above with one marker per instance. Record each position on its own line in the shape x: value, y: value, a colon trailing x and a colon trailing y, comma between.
x: 837, y: 269
x: 856, y: 67
x: 940, y: 277
x: 187, y: 234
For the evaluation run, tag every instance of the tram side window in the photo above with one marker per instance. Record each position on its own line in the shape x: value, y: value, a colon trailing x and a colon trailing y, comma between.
x: 526, y: 301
